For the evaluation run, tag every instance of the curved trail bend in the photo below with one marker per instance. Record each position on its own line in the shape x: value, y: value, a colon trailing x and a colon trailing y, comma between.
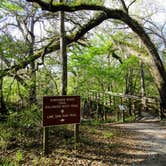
x: 149, y: 137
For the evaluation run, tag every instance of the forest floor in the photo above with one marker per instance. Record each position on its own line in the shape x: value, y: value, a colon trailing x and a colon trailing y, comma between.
x: 101, y: 144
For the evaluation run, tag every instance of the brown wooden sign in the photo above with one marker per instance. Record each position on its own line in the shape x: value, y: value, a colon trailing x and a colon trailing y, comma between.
x: 59, y: 110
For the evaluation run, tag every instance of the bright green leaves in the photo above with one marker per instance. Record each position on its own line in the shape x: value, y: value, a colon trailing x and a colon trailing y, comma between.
x: 9, y: 6
x: 11, y: 48
x: 130, y: 62
x: 13, y: 90
x: 91, y: 64
x: 79, y: 2
x: 105, y: 63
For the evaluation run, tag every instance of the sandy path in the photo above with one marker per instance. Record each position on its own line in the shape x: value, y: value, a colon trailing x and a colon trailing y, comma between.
x: 151, y: 138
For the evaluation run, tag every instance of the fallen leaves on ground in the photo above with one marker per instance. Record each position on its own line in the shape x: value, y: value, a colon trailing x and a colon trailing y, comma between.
x: 100, y: 145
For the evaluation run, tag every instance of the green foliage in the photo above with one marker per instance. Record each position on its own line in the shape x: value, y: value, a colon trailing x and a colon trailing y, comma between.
x: 130, y: 119
x: 19, y: 156
x: 12, y: 49
x: 13, y: 162
x: 90, y: 64
x: 132, y: 61
x: 96, y: 66
x: 79, y: 2
x: 27, y: 118
x: 5, y: 136
x: 14, y: 92
x: 7, y: 162
x: 16, y: 127
x: 107, y: 134
x: 49, y: 83
x: 9, y: 6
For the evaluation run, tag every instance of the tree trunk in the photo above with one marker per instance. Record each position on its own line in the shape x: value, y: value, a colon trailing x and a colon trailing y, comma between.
x: 143, y: 91
x: 32, y: 89
x: 3, y: 109
x: 129, y: 88
x: 129, y: 82
x: 63, y: 52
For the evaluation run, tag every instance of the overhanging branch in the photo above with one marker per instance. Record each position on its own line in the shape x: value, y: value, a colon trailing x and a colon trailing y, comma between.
x: 106, y: 13
x: 54, y: 45
x: 55, y: 7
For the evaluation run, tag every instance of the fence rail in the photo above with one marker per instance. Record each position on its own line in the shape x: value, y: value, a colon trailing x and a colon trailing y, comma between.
x: 103, y: 103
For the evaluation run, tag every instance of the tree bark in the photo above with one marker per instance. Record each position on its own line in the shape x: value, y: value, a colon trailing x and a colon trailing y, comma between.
x: 3, y: 109
x: 63, y: 52
x: 32, y: 89
x: 143, y: 90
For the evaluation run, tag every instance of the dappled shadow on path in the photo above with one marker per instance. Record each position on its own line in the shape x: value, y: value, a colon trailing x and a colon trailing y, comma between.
x: 96, y: 149
x: 153, y: 160
x: 152, y: 139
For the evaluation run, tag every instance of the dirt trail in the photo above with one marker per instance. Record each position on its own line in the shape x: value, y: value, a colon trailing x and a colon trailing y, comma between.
x: 151, y: 138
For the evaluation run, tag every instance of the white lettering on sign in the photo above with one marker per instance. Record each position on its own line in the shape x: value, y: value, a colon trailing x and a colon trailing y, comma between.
x: 65, y: 115
x: 65, y: 106
x: 60, y: 106
x: 52, y: 106
x: 60, y: 116
x: 62, y: 120
x: 70, y: 99
x: 50, y: 117
x: 73, y: 115
x: 74, y: 105
x: 60, y: 100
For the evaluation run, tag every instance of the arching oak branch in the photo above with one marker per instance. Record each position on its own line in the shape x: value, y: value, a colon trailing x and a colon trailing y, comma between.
x: 55, y: 7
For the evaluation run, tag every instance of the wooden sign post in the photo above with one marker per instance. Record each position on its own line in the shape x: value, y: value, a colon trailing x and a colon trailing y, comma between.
x: 45, y: 141
x: 59, y: 110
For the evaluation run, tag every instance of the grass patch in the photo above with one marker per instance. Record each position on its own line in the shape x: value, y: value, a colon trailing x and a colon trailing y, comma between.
x: 130, y: 119
x: 5, y: 136
x: 107, y: 135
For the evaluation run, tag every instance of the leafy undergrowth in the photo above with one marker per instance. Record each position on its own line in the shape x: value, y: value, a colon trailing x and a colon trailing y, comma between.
x: 100, y: 144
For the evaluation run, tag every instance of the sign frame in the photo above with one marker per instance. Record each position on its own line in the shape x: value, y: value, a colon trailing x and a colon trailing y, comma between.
x: 61, y: 110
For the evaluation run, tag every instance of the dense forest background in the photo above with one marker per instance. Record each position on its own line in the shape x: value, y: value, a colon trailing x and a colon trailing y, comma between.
x: 110, y: 57
x: 116, y: 46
